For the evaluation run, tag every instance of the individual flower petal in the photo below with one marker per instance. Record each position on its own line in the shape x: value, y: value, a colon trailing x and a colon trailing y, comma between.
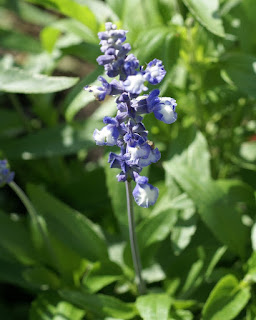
x: 135, y: 84
x: 155, y: 71
x: 98, y: 92
x: 145, y: 194
x: 107, y: 136
x: 137, y: 152
x: 105, y: 59
x: 131, y: 63
x: 153, y: 157
x: 165, y: 110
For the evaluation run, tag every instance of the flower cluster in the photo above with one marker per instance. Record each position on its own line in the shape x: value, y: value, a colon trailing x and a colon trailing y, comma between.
x: 126, y: 130
x: 6, y: 176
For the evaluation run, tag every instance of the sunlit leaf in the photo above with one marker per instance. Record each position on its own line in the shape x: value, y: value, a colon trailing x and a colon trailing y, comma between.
x: 20, y: 81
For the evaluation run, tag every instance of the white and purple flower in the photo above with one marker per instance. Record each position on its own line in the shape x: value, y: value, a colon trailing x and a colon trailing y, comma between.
x: 126, y: 130
x: 164, y: 110
x: 144, y: 194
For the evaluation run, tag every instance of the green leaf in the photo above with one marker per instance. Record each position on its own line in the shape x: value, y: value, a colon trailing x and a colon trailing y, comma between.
x: 190, y: 149
x: 19, y: 81
x: 41, y: 277
x: 149, y: 41
x: 147, y: 16
x: 49, y: 306
x: 71, y: 227
x: 216, y: 206
x: 14, y: 237
x: 181, y: 315
x: 100, y: 305
x: 72, y: 9
x: 10, y: 122
x: 49, y: 36
x: 79, y: 31
x: 217, y: 201
x: 116, y: 191
x: 183, y: 230
x: 50, y: 142
x: 154, y: 306
x: 11, y: 271
x: 156, y: 228
x: 102, y: 274
x: 206, y: 12
x: 18, y: 41
x: 117, y: 6
x: 226, y: 300
x: 239, y: 69
x: 101, y: 10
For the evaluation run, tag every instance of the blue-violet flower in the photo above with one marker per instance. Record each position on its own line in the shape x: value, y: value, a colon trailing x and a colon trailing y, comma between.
x: 126, y: 130
x: 6, y: 176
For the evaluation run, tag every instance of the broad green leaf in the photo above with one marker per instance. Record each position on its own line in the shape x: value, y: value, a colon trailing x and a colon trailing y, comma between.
x: 41, y: 277
x: 19, y: 81
x: 102, y: 274
x: 73, y: 9
x: 11, y: 271
x: 14, y: 237
x: 239, y: 69
x: 50, y: 142
x: 156, y: 228
x: 49, y: 306
x: 102, y: 11
x: 216, y: 206
x: 116, y: 191
x: 226, y: 300
x: 216, y: 202
x: 14, y: 40
x: 100, y: 305
x: 149, y: 43
x: 70, y: 226
x: 154, y: 273
x: 10, y: 122
x: 154, y: 306
x: 190, y: 149
x: 147, y: 15
x: 247, y: 11
x: 49, y: 36
x: 184, y: 229
x: 182, y: 315
x: 76, y: 28
x: 33, y: 14
x: 206, y: 12
x: 117, y: 6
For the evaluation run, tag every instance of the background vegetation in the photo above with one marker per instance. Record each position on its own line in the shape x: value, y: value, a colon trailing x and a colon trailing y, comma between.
x: 198, y: 241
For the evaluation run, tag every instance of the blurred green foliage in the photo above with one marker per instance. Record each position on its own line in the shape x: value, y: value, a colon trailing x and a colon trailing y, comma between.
x: 197, y: 243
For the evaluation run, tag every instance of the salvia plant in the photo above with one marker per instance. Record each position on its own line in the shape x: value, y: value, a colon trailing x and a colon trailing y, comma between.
x: 126, y: 130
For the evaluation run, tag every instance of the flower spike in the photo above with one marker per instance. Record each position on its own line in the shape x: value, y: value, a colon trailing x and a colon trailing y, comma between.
x: 127, y: 130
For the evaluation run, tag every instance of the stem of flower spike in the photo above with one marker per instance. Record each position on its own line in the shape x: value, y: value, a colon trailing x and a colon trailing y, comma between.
x: 34, y: 218
x: 133, y: 240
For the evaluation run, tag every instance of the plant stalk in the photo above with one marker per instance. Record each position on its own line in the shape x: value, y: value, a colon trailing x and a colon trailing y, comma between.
x: 133, y: 240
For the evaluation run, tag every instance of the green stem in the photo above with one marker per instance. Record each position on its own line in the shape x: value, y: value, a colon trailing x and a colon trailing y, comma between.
x: 34, y: 218
x: 133, y: 240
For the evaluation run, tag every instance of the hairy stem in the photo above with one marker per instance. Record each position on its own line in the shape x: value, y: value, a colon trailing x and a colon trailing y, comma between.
x: 133, y: 240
